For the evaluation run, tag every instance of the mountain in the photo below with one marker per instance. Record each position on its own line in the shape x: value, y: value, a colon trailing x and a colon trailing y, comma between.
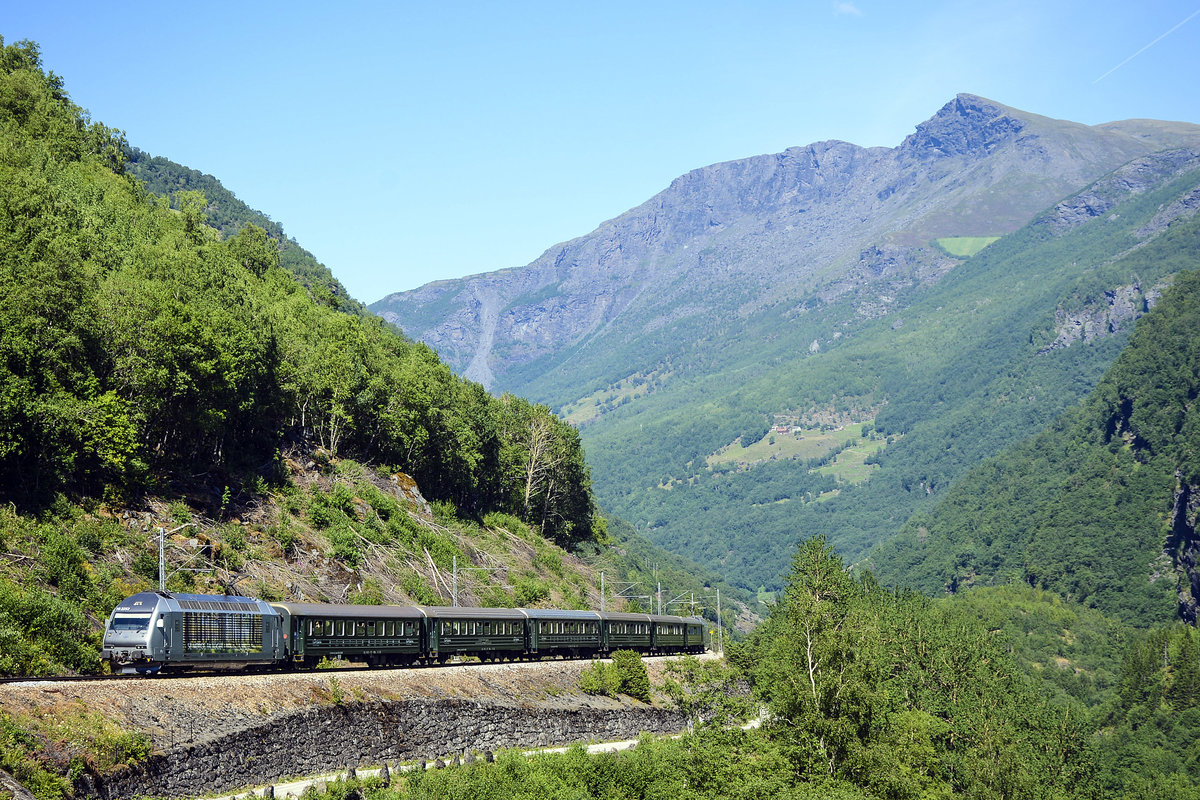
x: 732, y: 237
x: 823, y: 340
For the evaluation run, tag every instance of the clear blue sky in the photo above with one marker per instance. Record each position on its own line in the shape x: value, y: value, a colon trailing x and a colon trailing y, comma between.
x: 404, y: 143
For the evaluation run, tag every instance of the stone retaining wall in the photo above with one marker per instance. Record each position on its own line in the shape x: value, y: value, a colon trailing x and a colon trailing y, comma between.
x: 321, y: 739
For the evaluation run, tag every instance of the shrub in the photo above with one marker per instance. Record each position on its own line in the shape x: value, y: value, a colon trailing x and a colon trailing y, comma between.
x: 345, y: 545
x: 370, y: 593
x: 320, y: 513
x: 441, y: 548
x: 549, y: 561
x: 634, y: 680
x: 530, y: 591
x: 342, y: 499
x: 494, y: 597
x: 283, y: 533
x: 145, y: 565
x: 415, y: 587
x: 402, y: 528
x: 600, y: 679
x: 498, y: 519
x: 444, y: 512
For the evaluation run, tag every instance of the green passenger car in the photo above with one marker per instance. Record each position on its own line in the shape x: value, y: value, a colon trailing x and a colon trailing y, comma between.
x: 570, y: 634
x: 376, y: 635
x: 624, y: 631
x: 489, y: 634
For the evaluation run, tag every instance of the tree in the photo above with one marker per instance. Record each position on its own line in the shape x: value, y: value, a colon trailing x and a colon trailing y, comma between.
x: 255, y: 250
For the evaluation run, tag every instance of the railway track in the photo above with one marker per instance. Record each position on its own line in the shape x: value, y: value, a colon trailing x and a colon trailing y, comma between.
x: 233, y: 673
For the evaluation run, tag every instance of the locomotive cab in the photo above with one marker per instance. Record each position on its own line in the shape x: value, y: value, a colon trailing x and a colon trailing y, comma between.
x: 134, y: 635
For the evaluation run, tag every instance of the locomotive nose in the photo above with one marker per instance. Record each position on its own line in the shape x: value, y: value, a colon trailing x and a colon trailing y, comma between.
x: 127, y: 637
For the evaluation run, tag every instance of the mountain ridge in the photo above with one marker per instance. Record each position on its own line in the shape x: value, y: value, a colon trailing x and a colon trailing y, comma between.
x: 769, y: 225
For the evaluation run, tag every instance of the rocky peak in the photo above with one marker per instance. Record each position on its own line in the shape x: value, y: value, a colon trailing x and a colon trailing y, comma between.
x: 755, y: 232
x: 966, y: 125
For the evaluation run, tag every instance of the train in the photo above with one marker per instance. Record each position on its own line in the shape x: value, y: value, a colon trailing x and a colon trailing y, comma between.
x: 154, y: 632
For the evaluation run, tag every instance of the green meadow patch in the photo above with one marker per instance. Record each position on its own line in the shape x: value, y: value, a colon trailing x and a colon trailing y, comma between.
x: 964, y: 246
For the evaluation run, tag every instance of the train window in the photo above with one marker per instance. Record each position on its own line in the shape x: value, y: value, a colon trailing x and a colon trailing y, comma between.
x: 487, y: 629
x: 339, y: 628
x: 370, y: 629
x: 130, y: 622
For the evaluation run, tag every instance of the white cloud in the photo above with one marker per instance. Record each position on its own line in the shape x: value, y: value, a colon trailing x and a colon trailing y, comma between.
x: 843, y: 8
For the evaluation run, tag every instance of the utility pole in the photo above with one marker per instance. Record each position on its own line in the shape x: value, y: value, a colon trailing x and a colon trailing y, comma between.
x: 162, y: 556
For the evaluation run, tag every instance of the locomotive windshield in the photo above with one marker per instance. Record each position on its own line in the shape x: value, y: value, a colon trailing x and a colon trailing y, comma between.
x: 130, y: 622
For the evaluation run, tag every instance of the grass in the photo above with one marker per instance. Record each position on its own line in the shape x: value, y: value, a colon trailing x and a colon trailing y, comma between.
x: 592, y: 406
x: 964, y: 246
x: 850, y: 465
x: 805, y: 444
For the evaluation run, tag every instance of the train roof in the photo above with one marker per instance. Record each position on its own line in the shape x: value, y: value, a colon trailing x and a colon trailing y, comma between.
x: 467, y: 612
x: 555, y: 613
x: 625, y: 616
x: 334, y: 610
x: 145, y: 602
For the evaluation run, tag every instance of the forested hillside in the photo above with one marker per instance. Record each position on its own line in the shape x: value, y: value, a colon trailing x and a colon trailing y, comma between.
x: 228, y: 215
x: 139, y: 349
x: 1102, y: 506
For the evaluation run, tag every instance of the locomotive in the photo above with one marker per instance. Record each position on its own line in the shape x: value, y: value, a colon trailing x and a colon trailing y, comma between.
x: 160, y: 631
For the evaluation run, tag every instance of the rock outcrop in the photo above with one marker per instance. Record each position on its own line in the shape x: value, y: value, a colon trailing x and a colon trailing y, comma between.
x: 1183, y: 548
